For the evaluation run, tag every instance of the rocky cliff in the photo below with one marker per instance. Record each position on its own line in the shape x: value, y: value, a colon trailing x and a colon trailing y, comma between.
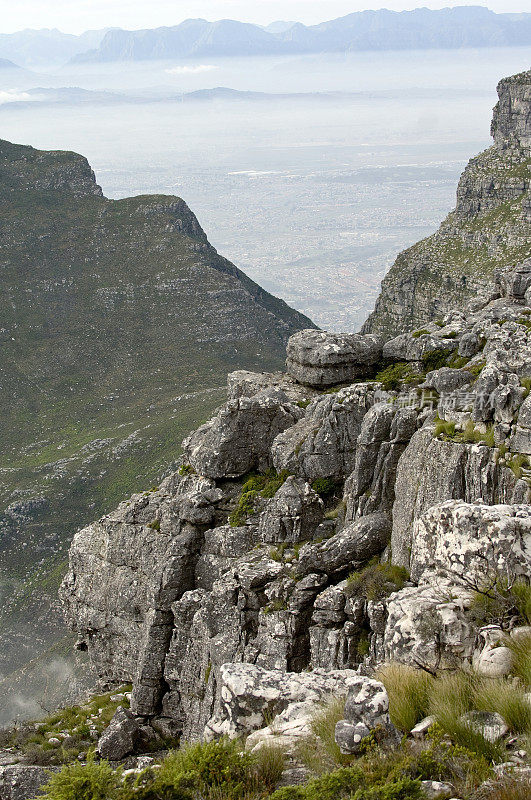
x: 119, y: 325
x: 488, y: 230
x: 323, y: 522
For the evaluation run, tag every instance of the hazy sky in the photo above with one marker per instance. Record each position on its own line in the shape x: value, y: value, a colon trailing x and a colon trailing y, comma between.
x: 77, y: 15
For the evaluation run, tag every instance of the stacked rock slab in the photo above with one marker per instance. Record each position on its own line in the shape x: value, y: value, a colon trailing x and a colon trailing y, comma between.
x: 198, y: 605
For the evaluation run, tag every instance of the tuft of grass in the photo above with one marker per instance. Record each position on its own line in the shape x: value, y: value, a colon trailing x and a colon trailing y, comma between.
x: 520, y: 647
x: 418, y: 334
x: 452, y: 696
x: 376, y: 581
x: 525, y: 383
x: 409, y: 692
x: 436, y: 359
x: 393, y: 376
x: 269, y: 764
x: 510, y: 787
x: 264, y: 485
x: 509, y: 701
x: 444, y: 428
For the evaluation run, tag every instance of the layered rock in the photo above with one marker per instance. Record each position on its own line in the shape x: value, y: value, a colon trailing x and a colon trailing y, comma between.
x: 182, y: 589
x: 488, y: 230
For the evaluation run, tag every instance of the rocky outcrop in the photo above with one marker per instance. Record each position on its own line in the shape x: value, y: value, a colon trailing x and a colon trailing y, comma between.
x: 366, y: 710
x: 319, y: 359
x: 488, y: 230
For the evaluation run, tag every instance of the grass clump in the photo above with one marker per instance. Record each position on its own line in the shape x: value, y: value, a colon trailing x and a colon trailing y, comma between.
x: 518, y: 463
x: 520, y: 647
x: 418, y: 334
x: 444, y: 429
x: 376, y: 581
x: 409, y: 694
x: 452, y: 696
x: 505, y: 698
x: 510, y: 787
x: 476, y: 369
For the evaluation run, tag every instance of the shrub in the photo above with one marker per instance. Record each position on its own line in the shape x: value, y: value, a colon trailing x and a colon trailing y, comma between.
x: 203, y: 769
x: 265, y: 485
x: 376, y: 580
x: 269, y: 764
x: 499, y: 601
x: 435, y: 359
x: 418, y: 334
x: 91, y: 781
x: 325, y: 487
x: 394, y: 375
x: 409, y: 690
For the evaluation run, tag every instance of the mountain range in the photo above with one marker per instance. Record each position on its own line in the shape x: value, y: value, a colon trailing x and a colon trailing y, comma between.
x: 422, y: 28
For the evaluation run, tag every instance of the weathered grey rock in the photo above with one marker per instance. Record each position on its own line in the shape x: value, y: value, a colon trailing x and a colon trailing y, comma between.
x: 118, y: 740
x: 249, y: 694
x: 511, y: 114
x: 319, y: 359
x: 490, y: 724
x: 521, y: 441
x: 323, y: 443
x: 428, y: 625
x: 421, y: 728
x: 243, y: 383
x: 447, y: 380
x: 409, y: 348
x: 471, y: 541
x: 22, y: 782
x: 293, y: 514
x: 493, y: 661
x: 239, y: 438
x: 366, y: 708
x: 353, y: 546
x: 437, y: 790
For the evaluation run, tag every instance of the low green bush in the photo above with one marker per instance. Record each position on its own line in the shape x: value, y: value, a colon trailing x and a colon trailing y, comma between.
x: 393, y: 376
x: 325, y: 487
x: 91, y: 781
x: 376, y: 580
x: 264, y: 485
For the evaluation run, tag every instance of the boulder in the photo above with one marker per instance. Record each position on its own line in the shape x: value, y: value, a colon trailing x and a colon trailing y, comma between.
x: 239, y: 438
x: 490, y: 724
x: 319, y: 359
x: 323, y: 443
x: 22, y: 782
x: 366, y: 709
x: 118, y: 740
x: 470, y: 540
x: 349, y: 549
x: 293, y: 514
x: 250, y: 695
x: 521, y: 441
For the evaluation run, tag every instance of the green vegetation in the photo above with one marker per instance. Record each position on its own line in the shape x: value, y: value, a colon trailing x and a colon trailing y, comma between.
x: 393, y: 376
x: 254, y: 487
x: 76, y: 727
x: 418, y: 334
x: 376, y: 581
x: 436, y: 359
x: 501, y: 602
x: 91, y: 781
x: 409, y: 694
x: 447, y: 430
x: 326, y: 487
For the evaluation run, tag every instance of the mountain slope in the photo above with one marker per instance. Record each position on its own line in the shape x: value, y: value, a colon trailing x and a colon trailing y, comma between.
x: 46, y: 46
x: 467, y: 26
x: 119, y: 324
x: 489, y: 229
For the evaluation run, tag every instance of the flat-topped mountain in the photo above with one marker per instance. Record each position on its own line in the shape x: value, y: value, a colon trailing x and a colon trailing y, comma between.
x: 119, y: 323
x: 489, y: 229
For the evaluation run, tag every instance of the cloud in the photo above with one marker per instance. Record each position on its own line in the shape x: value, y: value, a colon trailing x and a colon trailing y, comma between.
x: 193, y: 70
x: 14, y: 96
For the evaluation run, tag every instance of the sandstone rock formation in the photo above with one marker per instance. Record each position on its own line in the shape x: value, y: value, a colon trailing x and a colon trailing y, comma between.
x: 487, y: 231
x: 373, y: 511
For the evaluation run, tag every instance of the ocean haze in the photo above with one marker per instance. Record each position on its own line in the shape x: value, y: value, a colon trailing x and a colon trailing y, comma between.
x: 312, y: 196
